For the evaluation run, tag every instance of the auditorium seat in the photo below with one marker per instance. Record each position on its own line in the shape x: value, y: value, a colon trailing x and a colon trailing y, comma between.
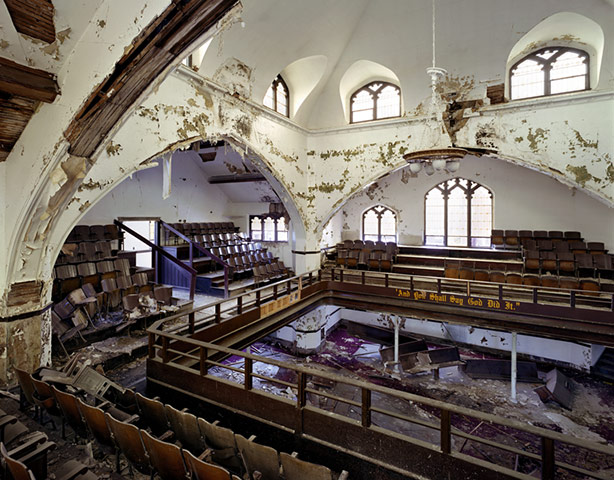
x: 540, y: 234
x: 258, y: 458
x: 577, y: 246
x: 513, y: 278
x: 530, y: 280
x: 510, y: 238
x: 481, y: 275
x: 555, y: 235
x: 603, y: 265
x: 569, y: 236
x: 166, y: 459
x: 548, y: 261
x: 128, y: 439
x: 496, y: 238
x: 595, y: 248
x: 549, y: 281
x: 524, y: 236
x: 585, y: 265
x: 496, y: 277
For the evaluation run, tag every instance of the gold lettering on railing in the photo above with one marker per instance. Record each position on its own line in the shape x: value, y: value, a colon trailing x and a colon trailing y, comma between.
x: 457, y: 300
x: 276, y: 305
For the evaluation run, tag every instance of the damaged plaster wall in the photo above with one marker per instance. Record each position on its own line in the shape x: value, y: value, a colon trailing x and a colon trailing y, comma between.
x: 523, y: 199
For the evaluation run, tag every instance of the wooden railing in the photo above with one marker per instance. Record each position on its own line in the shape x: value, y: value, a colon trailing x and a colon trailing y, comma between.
x: 195, y: 245
x: 196, y: 364
x: 186, y: 269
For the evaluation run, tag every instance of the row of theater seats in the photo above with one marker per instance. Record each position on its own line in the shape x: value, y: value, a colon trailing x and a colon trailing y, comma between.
x: 552, y: 281
x: 69, y: 277
x: 515, y: 238
x: 270, y: 272
x: 174, y: 444
x: 388, y: 247
x: 595, y: 265
x: 211, y: 231
x: 24, y: 454
x: 365, y: 259
x: 93, y: 233
x: 75, y: 253
x: 134, y: 299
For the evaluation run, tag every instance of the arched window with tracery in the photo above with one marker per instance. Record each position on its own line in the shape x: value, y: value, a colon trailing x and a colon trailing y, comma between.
x: 550, y: 71
x: 278, y: 97
x: 375, y: 101
x: 379, y: 224
x: 458, y: 213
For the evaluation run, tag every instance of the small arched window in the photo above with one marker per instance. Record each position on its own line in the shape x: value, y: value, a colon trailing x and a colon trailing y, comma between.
x: 549, y: 71
x: 379, y: 224
x: 278, y: 97
x: 375, y: 101
x: 458, y: 212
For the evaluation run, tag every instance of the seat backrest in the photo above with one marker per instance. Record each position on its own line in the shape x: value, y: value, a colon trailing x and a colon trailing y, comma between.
x: 215, y: 436
x: 26, y: 385
x: 18, y: 470
x: 96, y: 423
x: 64, y: 309
x: 140, y: 279
x: 186, y: 428
x: 153, y: 414
x: 70, y: 411
x: 76, y: 296
x: 109, y: 285
x: 258, y: 457
x: 130, y: 302
x: 124, y: 281
x: 295, y: 469
x: 165, y: 458
x: 122, y: 265
x: 128, y: 439
x: 200, y: 470
x: 111, y: 231
x: 163, y: 294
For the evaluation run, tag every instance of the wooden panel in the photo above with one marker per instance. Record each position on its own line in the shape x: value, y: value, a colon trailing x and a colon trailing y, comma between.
x: 15, y: 112
x: 153, y: 50
x: 33, y: 18
x: 16, y: 79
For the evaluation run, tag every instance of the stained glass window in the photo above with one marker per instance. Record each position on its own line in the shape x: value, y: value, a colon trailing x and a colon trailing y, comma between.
x: 375, y: 101
x: 379, y: 224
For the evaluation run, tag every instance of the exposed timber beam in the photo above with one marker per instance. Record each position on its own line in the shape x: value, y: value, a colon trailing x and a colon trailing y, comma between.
x: 238, y: 178
x: 16, y: 79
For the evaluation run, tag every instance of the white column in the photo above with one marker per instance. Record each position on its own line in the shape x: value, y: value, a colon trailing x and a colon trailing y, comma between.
x: 514, y: 367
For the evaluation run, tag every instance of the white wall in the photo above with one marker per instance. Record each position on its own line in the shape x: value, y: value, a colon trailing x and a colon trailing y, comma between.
x: 192, y: 198
x: 523, y: 199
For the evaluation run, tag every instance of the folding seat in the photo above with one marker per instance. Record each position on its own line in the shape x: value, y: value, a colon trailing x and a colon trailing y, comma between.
x: 97, y: 233
x: 572, y: 236
x: 385, y: 262
x: 222, y: 443
x: 258, y: 458
x: 342, y: 255
x: 603, y: 265
x: 125, y: 284
x: 549, y: 281
x: 89, y: 275
x: 89, y: 304
x: 122, y: 267
x: 363, y: 258
x: 544, y: 245
x: 530, y: 280
x: 392, y: 250
x: 585, y: 265
x: 128, y: 439
x: 166, y: 458
x: 352, y: 260
x: 513, y: 278
x: 510, y: 237
x: 203, y: 228
x: 64, y: 329
x: 374, y: 258
x: 70, y: 469
x: 81, y: 233
x: 186, y: 429
x: 153, y: 414
x: 465, y: 273
x: 285, y: 271
x: 496, y: 238
x: 567, y: 262
x: 481, y: 275
x: 142, y: 281
x: 561, y: 247
x: 524, y: 235
x: 496, y: 277
x: 555, y: 235
x: 71, y: 414
x: 295, y: 469
x: 87, y: 252
x: 587, y: 285
x: 45, y: 400
x: 577, y: 246
x: 26, y: 388
x: 569, y: 283
x: 270, y: 257
x: 106, y: 269
x: 12, y: 431
x: 370, y: 244
x: 348, y: 244
x: 113, y: 295
x: 201, y: 470
x: 451, y: 268
x: 103, y: 250
x: 258, y: 278
x: 548, y: 261
x: 273, y: 275
x: 94, y: 418
x: 532, y: 260
x: 595, y: 248
x: 111, y: 232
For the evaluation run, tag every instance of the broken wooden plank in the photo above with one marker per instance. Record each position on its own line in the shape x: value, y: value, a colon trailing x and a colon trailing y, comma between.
x: 501, y: 370
x: 558, y: 387
x: 16, y: 79
x: 33, y: 18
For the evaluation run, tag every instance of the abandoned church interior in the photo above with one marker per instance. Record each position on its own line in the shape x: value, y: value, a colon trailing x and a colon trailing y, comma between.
x: 307, y: 240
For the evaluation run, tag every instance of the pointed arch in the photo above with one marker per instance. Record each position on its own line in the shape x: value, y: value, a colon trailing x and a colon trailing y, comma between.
x: 458, y: 212
x: 379, y: 224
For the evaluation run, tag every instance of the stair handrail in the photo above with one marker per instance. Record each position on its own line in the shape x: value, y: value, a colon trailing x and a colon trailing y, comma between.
x: 186, y: 268
x: 202, y: 249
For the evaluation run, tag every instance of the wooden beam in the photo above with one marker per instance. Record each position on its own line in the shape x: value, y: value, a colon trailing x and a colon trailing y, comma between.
x: 158, y: 45
x: 33, y: 18
x: 16, y: 79
x: 238, y: 178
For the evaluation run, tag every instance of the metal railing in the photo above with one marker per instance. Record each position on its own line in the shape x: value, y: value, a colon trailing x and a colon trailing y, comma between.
x: 195, y: 245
